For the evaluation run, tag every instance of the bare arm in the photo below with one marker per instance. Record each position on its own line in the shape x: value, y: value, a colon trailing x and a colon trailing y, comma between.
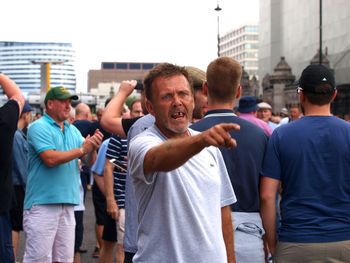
x: 181, y: 149
x: 111, y: 119
x: 227, y: 231
x: 268, y: 192
x: 99, y: 181
x: 52, y: 157
x: 11, y: 90
x: 112, y: 207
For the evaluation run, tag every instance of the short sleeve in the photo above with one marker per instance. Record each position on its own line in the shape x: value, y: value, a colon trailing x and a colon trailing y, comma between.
x: 40, y: 138
x: 138, y: 148
x: 99, y: 164
x: 271, y: 165
x: 228, y: 196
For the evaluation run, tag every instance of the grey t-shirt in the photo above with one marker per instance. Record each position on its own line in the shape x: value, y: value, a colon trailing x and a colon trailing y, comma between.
x: 179, y: 212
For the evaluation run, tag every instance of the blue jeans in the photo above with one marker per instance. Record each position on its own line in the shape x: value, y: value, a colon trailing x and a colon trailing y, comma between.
x: 6, y: 247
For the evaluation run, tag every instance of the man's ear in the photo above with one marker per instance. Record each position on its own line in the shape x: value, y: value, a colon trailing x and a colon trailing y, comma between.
x: 205, y: 88
x: 149, y: 107
x: 334, y: 95
x: 238, y: 92
x: 48, y: 104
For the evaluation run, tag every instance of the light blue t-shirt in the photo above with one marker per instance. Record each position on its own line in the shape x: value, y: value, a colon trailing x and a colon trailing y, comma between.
x: 58, y: 184
x: 179, y: 211
x: 99, y: 164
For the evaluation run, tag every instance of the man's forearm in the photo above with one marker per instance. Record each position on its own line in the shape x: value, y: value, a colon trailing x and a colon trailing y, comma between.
x: 268, y: 192
x: 178, y: 150
x: 52, y: 157
x: 11, y: 90
x: 108, y: 180
x: 111, y: 119
x: 227, y: 231
x: 268, y: 215
x: 99, y: 181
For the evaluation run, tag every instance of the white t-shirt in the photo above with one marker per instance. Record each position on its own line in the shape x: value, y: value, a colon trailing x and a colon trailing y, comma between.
x: 179, y: 212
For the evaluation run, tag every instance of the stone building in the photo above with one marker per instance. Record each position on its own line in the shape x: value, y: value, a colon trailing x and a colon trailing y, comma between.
x: 250, y: 87
x: 279, y: 87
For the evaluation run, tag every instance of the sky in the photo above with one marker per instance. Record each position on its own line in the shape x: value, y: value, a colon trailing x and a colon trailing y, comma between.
x: 183, y: 32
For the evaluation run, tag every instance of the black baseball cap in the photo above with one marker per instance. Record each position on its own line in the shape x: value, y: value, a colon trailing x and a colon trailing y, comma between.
x: 314, y: 76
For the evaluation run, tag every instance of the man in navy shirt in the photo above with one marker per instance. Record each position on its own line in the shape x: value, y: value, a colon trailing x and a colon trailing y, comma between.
x: 244, y: 162
x: 309, y: 157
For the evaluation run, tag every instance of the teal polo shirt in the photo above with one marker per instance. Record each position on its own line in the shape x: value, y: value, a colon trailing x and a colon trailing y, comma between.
x: 52, y: 185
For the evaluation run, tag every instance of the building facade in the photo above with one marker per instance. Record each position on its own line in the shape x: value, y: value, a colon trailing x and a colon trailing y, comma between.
x: 242, y: 45
x: 290, y: 28
x: 117, y: 72
x: 22, y: 61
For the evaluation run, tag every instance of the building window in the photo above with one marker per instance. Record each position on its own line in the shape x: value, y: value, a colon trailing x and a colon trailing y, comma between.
x: 147, y: 66
x: 107, y: 65
x: 121, y: 66
x: 135, y: 66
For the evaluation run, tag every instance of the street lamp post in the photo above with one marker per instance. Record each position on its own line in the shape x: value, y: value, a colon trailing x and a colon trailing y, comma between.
x: 218, y: 9
x: 320, y: 33
x: 45, y: 75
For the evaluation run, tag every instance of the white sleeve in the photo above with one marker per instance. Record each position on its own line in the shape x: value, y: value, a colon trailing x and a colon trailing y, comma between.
x: 138, y: 148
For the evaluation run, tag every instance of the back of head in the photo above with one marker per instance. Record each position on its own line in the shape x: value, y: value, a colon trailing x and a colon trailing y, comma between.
x: 247, y: 104
x: 223, y: 79
x: 82, y: 112
x: 197, y: 77
x: 163, y: 70
x: 318, y: 84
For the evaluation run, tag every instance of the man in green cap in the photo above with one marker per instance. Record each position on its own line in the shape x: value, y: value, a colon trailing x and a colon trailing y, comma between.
x: 53, y: 180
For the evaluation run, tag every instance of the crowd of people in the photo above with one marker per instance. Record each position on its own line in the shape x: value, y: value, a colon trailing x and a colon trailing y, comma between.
x: 189, y: 171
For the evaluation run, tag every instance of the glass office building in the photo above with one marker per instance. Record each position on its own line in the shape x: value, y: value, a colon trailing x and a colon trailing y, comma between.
x: 241, y: 44
x: 22, y: 62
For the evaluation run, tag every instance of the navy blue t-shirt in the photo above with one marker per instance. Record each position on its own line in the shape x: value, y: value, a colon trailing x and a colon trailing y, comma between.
x: 83, y: 126
x: 311, y: 158
x: 244, y: 162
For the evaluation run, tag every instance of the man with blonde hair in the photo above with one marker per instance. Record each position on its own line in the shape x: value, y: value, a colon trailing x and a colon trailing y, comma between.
x: 244, y: 162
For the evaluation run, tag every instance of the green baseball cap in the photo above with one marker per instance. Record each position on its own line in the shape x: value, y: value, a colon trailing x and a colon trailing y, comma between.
x: 59, y: 93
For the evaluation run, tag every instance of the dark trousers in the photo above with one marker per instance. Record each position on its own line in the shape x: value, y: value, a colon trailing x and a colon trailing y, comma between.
x: 6, y: 247
x: 79, y: 229
x: 128, y: 257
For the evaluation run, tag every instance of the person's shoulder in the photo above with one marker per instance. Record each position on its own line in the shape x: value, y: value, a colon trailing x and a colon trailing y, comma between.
x: 147, y: 134
x: 147, y: 119
x: 247, y: 127
x: 73, y: 128
x: 39, y: 124
x: 82, y: 123
x: 18, y: 135
x: 141, y: 125
x: 10, y: 110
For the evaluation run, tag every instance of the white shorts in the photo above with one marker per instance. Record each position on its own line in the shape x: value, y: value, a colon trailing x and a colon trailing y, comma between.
x: 50, y: 233
x: 121, y: 226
